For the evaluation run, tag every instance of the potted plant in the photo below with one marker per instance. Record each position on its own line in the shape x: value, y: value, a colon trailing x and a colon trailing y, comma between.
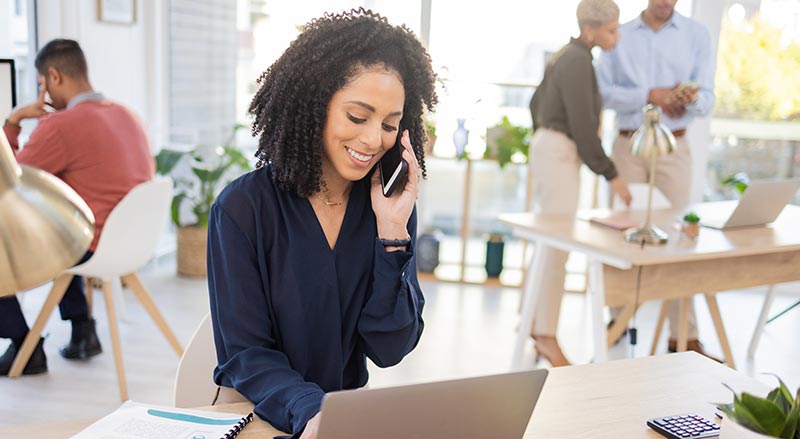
x: 691, y: 225
x: 776, y: 416
x: 199, y: 188
x: 505, y: 139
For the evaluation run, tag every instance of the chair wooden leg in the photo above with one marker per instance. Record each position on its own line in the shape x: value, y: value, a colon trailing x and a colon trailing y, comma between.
x: 113, y: 327
x: 662, y: 317
x: 89, y: 290
x: 683, y: 324
x: 26, y: 350
x: 762, y: 321
x: 133, y: 282
x: 713, y: 308
x: 621, y: 323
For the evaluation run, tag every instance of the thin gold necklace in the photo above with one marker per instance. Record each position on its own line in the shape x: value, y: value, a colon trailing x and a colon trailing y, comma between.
x: 327, y: 201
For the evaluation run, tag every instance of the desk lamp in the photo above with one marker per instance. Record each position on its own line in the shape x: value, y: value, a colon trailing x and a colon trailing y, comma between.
x: 650, y: 141
x: 45, y: 227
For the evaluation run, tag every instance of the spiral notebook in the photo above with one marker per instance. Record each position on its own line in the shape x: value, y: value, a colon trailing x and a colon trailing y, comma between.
x: 140, y: 421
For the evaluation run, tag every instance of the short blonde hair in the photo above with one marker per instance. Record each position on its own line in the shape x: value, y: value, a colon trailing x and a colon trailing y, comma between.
x: 595, y: 13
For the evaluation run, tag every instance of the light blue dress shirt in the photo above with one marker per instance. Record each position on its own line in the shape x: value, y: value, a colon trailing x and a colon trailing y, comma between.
x: 644, y: 59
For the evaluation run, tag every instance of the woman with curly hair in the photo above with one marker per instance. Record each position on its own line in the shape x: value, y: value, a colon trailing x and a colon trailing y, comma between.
x: 312, y: 270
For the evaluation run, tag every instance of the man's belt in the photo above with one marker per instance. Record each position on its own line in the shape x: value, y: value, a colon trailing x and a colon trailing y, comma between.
x: 677, y: 133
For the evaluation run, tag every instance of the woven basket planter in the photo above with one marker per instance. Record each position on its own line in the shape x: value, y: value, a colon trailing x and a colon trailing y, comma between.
x: 192, y: 251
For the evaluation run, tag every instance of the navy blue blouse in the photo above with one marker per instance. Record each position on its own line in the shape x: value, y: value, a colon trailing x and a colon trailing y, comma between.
x: 294, y: 319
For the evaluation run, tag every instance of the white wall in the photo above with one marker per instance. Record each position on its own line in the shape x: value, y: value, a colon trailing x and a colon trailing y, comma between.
x: 127, y: 63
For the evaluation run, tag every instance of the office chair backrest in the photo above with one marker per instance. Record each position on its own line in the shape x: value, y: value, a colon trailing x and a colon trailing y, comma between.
x: 194, y: 385
x: 132, y: 231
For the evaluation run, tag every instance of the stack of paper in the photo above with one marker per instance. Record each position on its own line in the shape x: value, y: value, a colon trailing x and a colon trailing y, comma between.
x: 139, y: 421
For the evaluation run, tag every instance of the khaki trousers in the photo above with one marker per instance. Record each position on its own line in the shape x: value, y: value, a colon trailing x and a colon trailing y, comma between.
x: 673, y: 179
x: 555, y: 166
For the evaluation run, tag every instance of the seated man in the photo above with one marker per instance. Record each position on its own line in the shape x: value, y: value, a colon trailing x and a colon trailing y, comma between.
x: 100, y: 149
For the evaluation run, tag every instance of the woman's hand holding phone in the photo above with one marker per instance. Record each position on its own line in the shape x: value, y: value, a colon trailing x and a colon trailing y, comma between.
x: 393, y: 212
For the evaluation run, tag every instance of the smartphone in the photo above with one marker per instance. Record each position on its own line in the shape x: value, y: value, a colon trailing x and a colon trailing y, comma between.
x: 392, y: 166
x: 688, y: 85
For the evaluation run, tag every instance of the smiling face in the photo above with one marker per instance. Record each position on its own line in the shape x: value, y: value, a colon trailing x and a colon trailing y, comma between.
x: 362, y: 124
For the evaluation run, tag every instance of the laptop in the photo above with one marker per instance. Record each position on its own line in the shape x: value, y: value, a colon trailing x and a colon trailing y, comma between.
x: 760, y: 204
x: 493, y: 406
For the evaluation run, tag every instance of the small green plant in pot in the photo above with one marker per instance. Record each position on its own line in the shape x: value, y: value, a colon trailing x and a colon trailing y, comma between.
x: 691, y: 225
x: 776, y: 416
x: 209, y: 173
x: 506, y: 139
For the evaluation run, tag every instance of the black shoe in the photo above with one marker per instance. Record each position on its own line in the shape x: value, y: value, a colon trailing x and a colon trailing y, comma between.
x: 83, y: 343
x: 36, y: 364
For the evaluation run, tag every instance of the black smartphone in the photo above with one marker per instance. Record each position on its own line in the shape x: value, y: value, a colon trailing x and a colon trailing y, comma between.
x: 393, y: 167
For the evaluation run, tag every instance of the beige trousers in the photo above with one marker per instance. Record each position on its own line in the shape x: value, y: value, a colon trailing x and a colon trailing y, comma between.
x: 555, y: 166
x: 673, y: 179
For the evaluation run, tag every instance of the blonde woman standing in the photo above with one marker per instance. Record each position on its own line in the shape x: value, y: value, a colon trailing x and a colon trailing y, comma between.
x: 565, y: 110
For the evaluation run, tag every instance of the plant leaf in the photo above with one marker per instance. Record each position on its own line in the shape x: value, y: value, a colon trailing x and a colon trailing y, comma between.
x: 746, y: 419
x: 768, y: 415
x: 175, y: 208
x: 789, y: 430
x: 166, y: 159
x: 781, y: 395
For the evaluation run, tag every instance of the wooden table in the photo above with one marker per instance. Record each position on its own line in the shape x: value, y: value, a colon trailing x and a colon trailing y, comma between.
x: 604, y: 400
x: 716, y: 261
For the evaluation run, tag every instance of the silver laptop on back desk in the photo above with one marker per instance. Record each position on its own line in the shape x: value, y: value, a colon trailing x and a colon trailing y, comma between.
x: 494, y: 406
x: 760, y: 204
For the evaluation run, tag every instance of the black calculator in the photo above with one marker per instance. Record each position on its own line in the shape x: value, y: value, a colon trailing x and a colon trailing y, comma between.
x: 684, y: 426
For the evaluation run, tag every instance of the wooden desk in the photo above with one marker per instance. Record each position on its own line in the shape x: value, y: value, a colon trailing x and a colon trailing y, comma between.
x: 616, y: 398
x: 716, y: 261
x: 604, y: 400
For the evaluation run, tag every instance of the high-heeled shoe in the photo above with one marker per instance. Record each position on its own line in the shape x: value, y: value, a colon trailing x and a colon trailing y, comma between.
x: 547, y: 347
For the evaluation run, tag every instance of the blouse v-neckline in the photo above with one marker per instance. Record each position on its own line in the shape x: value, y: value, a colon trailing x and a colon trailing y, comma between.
x: 341, y: 226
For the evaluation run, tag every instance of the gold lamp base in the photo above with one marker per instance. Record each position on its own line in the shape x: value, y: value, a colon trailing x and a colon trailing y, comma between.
x: 648, y: 234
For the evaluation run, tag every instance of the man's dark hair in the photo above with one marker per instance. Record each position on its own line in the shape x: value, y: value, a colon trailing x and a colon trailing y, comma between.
x: 65, y: 55
x: 291, y: 106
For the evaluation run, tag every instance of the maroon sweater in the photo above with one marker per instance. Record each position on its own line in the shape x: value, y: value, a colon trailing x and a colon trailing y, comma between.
x: 99, y: 148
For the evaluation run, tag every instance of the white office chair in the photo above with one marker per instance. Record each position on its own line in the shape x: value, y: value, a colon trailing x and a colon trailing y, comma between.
x: 130, y: 235
x: 194, y: 386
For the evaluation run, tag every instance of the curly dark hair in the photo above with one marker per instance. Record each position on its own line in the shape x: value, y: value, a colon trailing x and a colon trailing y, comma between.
x: 290, y: 107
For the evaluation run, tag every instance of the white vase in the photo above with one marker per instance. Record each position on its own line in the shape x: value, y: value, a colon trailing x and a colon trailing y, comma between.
x: 731, y: 430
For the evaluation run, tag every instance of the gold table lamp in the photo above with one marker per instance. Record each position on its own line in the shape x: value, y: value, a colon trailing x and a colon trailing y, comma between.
x: 650, y: 141
x: 45, y: 227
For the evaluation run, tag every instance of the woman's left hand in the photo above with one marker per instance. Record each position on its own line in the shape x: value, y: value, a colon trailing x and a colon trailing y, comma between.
x: 392, y: 213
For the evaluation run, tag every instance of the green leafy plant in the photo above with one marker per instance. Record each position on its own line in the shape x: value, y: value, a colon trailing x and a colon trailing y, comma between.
x: 505, y: 139
x: 738, y: 181
x: 208, y: 172
x: 691, y: 217
x: 777, y: 415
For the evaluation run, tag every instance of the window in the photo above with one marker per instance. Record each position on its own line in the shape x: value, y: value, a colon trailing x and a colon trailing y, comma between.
x: 756, y: 124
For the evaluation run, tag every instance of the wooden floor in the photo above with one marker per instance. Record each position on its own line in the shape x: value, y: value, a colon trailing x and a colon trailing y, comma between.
x: 469, y: 331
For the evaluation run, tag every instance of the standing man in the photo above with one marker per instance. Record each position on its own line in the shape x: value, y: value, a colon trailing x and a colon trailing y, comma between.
x: 664, y: 59
x: 98, y: 148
